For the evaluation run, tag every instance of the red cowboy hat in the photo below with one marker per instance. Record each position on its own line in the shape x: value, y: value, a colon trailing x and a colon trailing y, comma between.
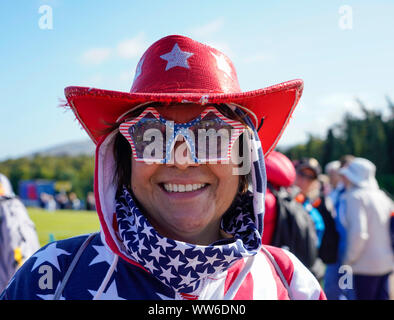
x: 177, y: 69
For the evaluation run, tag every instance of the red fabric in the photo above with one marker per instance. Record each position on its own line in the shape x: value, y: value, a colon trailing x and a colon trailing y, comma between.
x: 245, y: 291
x: 284, y: 262
x: 269, y: 217
x: 281, y: 289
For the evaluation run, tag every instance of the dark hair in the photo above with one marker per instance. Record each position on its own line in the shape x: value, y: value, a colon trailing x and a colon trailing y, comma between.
x: 122, y: 150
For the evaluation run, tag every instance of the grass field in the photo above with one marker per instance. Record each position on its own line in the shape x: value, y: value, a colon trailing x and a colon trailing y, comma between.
x: 62, y: 224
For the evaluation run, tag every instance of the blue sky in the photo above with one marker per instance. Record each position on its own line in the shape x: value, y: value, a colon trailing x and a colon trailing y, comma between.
x: 98, y: 44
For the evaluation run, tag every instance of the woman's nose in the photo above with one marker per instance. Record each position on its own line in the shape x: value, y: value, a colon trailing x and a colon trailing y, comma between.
x: 182, y: 156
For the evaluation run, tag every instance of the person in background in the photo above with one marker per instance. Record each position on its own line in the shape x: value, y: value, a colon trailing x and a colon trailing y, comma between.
x: 280, y: 173
x: 368, y: 250
x: 62, y: 200
x: 313, y: 195
x: 90, y: 201
x: 332, y: 275
x: 307, y: 173
x: 74, y: 201
x: 286, y: 222
x: 18, y: 236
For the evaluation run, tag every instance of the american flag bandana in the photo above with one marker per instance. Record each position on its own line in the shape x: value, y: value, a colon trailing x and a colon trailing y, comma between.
x: 181, y: 265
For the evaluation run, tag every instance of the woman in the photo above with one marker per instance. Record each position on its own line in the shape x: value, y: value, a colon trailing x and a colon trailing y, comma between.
x: 367, y: 216
x: 177, y: 218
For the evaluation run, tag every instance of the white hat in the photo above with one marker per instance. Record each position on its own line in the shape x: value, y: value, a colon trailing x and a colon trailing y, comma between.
x: 332, y: 166
x: 360, y: 172
x: 5, y: 186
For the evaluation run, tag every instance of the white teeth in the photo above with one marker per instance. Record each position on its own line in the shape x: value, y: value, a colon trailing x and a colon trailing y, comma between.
x: 172, y: 187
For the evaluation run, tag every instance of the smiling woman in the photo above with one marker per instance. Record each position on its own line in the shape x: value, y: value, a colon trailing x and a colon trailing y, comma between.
x: 184, y: 221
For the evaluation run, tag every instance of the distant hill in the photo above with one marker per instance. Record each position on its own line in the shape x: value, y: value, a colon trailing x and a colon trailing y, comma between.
x: 77, y: 148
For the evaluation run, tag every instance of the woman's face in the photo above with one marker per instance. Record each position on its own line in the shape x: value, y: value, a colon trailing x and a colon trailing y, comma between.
x: 191, y: 216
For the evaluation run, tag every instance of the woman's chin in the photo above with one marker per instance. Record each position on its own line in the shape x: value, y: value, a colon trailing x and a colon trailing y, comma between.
x: 188, y: 226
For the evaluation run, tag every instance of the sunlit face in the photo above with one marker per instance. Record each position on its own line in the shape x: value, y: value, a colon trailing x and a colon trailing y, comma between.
x: 194, y: 215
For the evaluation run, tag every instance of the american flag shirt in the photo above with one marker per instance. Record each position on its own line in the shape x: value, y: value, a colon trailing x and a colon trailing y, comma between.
x: 42, y: 275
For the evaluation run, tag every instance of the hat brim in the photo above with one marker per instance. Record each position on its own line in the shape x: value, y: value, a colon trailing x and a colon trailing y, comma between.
x: 270, y: 108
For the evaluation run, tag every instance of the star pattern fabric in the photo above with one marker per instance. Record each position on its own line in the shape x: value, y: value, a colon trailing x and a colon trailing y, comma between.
x: 49, y: 255
x: 176, y: 58
x: 110, y: 294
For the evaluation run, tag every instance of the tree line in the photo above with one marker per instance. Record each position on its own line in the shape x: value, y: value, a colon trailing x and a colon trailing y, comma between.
x: 370, y: 136
x: 77, y: 170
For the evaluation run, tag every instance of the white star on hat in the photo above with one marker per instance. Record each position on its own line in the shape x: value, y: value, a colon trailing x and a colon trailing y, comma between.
x: 222, y: 64
x: 176, y: 58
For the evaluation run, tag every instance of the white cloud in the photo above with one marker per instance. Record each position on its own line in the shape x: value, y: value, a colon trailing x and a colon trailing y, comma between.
x: 203, y: 33
x: 95, y: 55
x: 207, y: 29
x: 133, y: 47
x: 339, y: 102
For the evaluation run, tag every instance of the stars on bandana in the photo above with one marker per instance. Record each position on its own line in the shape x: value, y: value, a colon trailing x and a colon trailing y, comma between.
x: 175, y: 262
x: 176, y: 58
x: 149, y: 264
x: 156, y: 252
x: 147, y: 231
x: 166, y: 273
x: 186, y: 280
x: 193, y: 262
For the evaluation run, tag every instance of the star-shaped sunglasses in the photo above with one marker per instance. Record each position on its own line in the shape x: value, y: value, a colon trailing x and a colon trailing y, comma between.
x: 209, y: 137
